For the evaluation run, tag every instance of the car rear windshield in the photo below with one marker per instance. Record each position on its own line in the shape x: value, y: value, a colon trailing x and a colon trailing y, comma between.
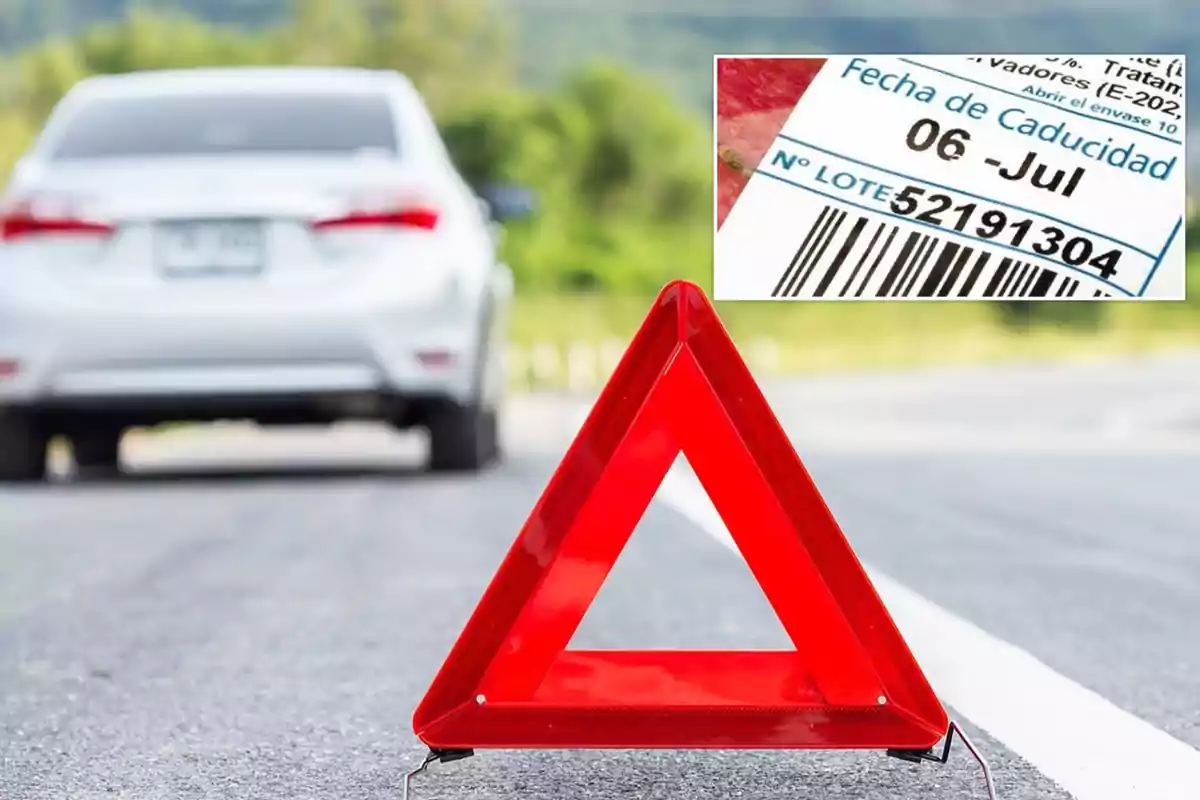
x: 219, y: 124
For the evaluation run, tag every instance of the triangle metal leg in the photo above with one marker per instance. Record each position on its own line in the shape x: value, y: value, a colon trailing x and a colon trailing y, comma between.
x: 917, y: 756
x: 913, y: 756
x: 441, y: 756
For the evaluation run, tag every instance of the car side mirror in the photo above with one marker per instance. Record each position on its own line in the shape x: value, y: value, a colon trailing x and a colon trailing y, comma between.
x: 507, y: 202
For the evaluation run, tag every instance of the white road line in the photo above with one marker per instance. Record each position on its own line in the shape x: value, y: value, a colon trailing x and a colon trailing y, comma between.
x: 1072, y: 735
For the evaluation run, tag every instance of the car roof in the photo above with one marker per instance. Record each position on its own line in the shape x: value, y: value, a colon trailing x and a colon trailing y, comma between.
x: 226, y: 80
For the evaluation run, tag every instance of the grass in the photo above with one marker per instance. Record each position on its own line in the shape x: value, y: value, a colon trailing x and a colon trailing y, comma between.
x: 817, y: 337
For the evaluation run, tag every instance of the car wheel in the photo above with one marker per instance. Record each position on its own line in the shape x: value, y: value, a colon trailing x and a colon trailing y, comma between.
x: 97, y: 452
x: 463, y: 438
x: 23, y: 449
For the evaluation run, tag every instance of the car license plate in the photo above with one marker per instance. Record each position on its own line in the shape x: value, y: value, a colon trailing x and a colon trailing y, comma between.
x: 210, y: 247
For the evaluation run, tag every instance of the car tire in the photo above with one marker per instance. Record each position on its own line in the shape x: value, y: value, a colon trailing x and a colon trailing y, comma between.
x: 97, y: 453
x: 463, y: 438
x: 24, y: 446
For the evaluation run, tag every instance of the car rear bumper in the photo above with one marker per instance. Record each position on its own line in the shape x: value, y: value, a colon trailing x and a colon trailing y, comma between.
x: 217, y: 358
x: 402, y: 409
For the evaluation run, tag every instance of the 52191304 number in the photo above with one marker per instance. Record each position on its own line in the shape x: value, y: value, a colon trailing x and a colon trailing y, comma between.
x: 1049, y: 241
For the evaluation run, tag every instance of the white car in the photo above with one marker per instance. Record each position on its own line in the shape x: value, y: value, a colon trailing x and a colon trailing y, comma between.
x: 282, y: 245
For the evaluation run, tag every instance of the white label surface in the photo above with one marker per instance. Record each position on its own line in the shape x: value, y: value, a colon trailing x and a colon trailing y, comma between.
x: 968, y: 177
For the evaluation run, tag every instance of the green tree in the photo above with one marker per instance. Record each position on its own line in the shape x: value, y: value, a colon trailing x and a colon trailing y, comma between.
x: 621, y: 172
x: 455, y: 51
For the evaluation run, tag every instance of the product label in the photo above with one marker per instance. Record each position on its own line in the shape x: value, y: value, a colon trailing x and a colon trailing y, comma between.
x: 968, y: 177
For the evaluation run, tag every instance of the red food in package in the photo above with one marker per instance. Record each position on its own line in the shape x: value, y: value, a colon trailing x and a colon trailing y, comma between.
x: 755, y: 97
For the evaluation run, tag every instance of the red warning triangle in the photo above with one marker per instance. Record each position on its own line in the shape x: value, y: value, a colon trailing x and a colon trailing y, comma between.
x: 510, y: 682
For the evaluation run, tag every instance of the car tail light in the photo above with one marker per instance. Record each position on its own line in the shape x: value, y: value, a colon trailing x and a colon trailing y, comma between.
x: 435, y: 359
x: 415, y: 216
x: 24, y: 218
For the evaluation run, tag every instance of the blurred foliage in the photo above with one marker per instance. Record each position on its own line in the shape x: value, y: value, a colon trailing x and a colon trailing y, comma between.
x: 525, y: 91
x: 621, y: 170
x: 674, y: 40
x: 1023, y: 315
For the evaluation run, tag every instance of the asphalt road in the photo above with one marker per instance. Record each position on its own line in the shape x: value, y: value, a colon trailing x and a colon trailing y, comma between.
x: 255, y: 615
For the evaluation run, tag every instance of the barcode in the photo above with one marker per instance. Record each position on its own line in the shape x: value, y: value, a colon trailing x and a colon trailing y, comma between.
x: 843, y: 256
